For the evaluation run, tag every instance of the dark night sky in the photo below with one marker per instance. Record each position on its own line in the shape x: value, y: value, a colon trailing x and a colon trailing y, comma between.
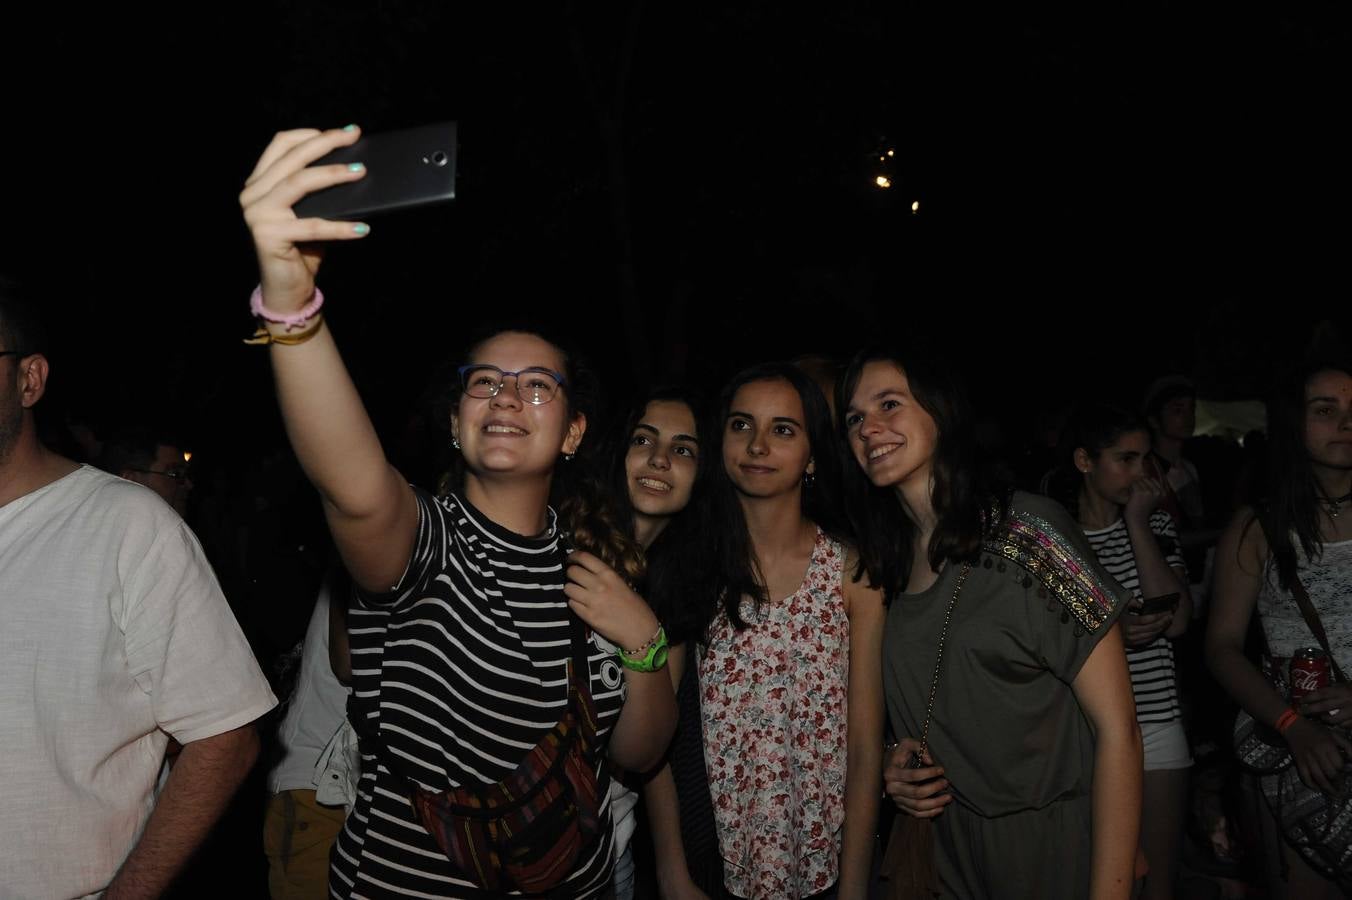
x: 1103, y: 192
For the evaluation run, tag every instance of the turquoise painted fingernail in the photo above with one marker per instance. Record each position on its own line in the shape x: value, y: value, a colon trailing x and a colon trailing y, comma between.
x: 355, y: 167
x: 361, y: 228
x: 349, y: 127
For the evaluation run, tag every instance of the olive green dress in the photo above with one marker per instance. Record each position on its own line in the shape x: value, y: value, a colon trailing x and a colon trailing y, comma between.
x: 1015, y: 747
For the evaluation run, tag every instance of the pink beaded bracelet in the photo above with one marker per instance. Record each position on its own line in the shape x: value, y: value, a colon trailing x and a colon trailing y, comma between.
x: 293, y: 320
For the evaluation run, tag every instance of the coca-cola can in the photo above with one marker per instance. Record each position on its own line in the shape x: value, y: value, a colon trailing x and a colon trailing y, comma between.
x: 1309, y: 672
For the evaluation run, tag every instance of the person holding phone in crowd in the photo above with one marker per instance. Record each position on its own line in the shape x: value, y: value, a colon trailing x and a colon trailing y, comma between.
x: 1108, y: 490
x: 1019, y: 756
x: 1297, y: 539
x: 480, y: 647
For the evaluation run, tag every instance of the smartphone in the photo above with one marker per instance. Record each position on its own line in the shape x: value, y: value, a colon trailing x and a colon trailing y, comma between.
x: 404, y: 169
x: 1162, y: 603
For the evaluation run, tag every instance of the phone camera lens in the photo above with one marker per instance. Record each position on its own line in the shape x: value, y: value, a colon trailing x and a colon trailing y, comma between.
x: 439, y: 158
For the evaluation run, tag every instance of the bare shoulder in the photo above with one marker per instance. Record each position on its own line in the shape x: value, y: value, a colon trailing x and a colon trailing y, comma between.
x: 1243, y: 541
x: 851, y: 554
x: 860, y: 595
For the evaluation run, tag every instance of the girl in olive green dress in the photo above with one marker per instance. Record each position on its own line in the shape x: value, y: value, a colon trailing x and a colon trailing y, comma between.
x: 1027, y: 747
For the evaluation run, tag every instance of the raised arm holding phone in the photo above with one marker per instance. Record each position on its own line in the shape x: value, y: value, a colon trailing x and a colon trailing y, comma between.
x: 467, y: 636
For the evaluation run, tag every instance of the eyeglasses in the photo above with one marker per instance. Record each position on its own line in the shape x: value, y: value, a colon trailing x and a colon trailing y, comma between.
x: 535, y: 386
x: 178, y: 473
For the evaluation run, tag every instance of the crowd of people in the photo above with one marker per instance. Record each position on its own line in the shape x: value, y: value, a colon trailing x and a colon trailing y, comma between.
x: 704, y: 657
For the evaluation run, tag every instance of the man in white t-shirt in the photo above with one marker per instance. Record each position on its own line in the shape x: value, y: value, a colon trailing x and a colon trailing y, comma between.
x: 114, y: 636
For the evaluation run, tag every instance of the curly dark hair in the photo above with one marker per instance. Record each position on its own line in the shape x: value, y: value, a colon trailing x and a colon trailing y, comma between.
x: 1094, y: 427
x: 587, y: 513
x: 675, y: 586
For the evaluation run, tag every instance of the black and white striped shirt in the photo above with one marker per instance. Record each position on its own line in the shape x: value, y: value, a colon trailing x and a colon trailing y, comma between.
x: 1153, y: 680
x: 461, y: 670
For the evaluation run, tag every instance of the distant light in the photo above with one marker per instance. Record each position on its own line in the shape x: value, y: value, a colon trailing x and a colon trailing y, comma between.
x: 187, y: 456
x: 882, y: 159
x: 891, y: 152
x: 883, y: 181
x: 915, y: 206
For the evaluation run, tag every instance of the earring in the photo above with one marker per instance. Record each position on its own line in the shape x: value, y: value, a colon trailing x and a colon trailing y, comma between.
x: 455, y: 442
x: 567, y: 457
x: 809, y: 479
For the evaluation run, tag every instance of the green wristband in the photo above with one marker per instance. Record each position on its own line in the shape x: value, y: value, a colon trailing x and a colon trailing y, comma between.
x: 654, y: 659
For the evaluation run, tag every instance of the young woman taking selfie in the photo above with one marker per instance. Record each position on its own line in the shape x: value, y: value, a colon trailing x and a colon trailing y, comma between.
x: 486, y: 660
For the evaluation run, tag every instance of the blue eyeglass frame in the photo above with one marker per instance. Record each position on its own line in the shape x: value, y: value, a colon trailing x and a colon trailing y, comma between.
x: 502, y: 379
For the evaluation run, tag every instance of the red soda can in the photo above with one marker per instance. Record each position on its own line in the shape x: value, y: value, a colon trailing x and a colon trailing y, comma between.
x: 1309, y: 672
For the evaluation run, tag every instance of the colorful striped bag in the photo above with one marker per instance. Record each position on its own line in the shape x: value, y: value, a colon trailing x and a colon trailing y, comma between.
x: 526, y: 832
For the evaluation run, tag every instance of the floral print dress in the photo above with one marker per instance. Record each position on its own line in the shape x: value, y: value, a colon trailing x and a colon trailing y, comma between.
x: 774, y: 706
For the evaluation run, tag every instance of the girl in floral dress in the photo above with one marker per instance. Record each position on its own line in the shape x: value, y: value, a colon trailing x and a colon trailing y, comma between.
x: 790, y: 675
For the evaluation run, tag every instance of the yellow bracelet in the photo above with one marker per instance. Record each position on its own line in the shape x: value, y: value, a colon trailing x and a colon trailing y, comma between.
x: 262, y: 336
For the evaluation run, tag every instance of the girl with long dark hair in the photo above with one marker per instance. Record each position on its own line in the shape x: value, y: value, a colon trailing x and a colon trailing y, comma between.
x: 1003, y: 667
x: 791, y: 698
x: 654, y: 471
x: 1299, y: 539
x: 1108, y: 490
x: 486, y: 660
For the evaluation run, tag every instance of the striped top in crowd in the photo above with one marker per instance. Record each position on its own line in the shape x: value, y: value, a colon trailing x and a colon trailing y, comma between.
x: 1153, y: 680
x: 457, y: 673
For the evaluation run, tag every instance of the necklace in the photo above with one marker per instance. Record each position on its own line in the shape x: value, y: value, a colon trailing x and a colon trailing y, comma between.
x: 1334, y: 505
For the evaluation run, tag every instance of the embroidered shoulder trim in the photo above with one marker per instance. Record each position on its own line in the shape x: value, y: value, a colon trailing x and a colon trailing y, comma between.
x: 1033, y: 544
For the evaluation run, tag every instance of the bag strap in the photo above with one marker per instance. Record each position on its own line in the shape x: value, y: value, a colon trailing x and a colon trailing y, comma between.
x: 579, y: 683
x: 1316, y: 626
x: 939, y: 659
x: 1308, y: 612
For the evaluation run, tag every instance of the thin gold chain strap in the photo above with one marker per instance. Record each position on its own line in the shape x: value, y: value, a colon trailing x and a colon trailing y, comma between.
x: 939, y: 660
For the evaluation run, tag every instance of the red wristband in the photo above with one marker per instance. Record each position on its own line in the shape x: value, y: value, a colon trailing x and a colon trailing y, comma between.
x: 1286, y: 720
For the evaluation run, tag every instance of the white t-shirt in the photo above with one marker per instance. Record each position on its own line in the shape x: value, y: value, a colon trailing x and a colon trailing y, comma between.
x: 114, y: 635
x: 315, y: 711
